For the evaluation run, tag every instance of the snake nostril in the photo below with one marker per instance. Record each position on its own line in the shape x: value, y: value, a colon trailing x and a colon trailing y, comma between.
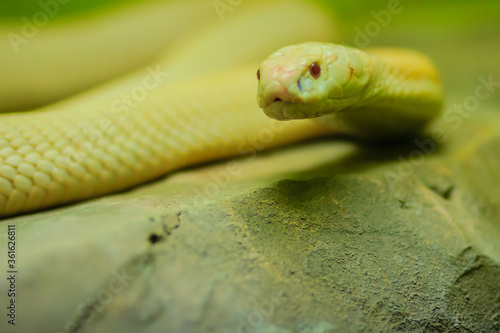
x: 277, y: 99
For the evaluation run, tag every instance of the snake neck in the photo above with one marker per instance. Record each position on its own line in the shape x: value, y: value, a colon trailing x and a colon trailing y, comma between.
x: 402, y: 94
x: 405, y: 80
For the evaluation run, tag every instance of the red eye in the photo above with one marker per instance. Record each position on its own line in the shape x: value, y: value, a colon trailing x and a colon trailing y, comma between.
x: 315, y: 70
x: 258, y: 74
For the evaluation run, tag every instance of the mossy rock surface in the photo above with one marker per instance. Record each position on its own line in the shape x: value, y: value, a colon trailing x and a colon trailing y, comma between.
x: 321, y: 237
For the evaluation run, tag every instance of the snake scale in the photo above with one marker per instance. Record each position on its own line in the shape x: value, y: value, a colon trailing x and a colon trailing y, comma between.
x: 91, y: 145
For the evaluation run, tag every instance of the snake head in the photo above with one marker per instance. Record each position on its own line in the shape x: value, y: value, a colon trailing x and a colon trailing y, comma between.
x: 310, y: 80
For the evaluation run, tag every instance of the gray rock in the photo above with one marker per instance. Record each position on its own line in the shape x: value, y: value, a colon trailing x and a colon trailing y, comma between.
x: 326, y: 236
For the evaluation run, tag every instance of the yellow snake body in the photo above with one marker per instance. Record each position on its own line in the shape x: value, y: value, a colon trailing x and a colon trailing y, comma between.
x: 58, y: 156
x: 99, y: 143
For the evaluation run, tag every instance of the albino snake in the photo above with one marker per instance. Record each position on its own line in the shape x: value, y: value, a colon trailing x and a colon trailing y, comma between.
x: 90, y: 145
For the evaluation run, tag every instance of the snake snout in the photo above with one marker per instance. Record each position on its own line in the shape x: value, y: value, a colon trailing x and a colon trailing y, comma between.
x: 276, y: 93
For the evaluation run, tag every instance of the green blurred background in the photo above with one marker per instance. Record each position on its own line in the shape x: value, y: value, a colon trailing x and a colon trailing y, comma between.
x: 454, y: 13
x: 461, y: 36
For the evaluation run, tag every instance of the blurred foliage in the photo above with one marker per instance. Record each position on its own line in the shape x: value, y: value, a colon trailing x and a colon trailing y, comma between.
x: 355, y: 11
x: 454, y: 12
x: 427, y: 16
x: 13, y: 10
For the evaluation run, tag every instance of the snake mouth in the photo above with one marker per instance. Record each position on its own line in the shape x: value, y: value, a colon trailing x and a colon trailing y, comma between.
x: 286, y: 110
x: 281, y: 110
x: 274, y: 110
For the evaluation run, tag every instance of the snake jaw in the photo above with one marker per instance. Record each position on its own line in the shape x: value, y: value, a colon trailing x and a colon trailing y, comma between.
x: 275, y: 110
x: 283, y: 110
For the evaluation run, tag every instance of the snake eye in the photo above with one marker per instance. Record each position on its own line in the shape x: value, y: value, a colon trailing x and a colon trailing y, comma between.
x: 315, y: 70
x: 258, y: 74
